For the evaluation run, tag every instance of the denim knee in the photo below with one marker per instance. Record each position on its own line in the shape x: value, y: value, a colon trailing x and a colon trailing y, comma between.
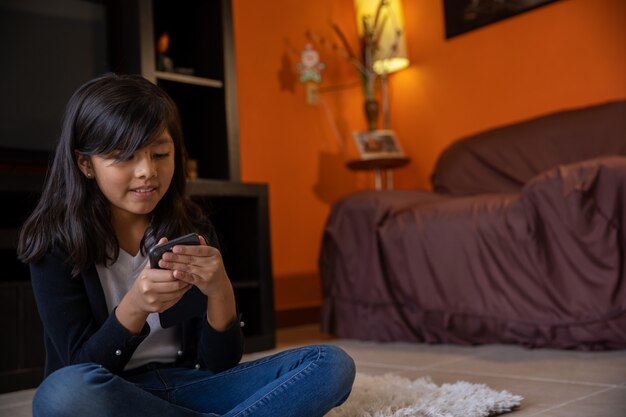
x: 341, y: 369
x: 64, y: 391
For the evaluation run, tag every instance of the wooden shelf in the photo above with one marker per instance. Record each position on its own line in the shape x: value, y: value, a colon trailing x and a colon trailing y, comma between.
x: 378, y: 163
x: 225, y: 188
x: 188, y: 79
x: 246, y: 285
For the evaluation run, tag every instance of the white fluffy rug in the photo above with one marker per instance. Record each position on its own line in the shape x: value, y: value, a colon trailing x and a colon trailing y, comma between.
x: 394, y: 396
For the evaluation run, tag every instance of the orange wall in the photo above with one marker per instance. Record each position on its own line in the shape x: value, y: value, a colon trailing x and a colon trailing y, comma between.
x: 566, y: 54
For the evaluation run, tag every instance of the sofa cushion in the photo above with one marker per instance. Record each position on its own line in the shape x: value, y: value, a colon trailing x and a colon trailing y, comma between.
x: 505, y: 158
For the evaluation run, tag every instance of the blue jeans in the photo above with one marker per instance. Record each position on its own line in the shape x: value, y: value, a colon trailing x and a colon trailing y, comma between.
x: 307, y: 381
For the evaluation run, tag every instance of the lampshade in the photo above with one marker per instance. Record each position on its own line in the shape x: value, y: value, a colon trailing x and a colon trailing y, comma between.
x: 391, y: 54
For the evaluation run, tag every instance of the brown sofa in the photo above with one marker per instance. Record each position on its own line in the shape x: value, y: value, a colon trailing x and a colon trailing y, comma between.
x: 522, y: 241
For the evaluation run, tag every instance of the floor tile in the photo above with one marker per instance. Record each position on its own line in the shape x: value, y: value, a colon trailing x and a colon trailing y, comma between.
x: 607, y: 368
x: 539, y: 396
x: 16, y: 404
x: 16, y: 397
x: 376, y: 371
x: 608, y: 403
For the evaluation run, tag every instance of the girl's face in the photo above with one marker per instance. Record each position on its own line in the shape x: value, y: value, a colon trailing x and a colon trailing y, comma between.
x: 133, y: 186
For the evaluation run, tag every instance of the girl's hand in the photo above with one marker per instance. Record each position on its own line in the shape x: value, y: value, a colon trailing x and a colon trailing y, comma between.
x: 154, y: 291
x: 202, y: 266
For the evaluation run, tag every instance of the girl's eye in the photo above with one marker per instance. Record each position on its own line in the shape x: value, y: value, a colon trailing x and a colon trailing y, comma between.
x: 161, y: 155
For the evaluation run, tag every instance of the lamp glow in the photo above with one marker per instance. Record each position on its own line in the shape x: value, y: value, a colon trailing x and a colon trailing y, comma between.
x: 390, y: 52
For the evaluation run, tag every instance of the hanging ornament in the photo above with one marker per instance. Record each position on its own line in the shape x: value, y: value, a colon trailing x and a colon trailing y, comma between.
x: 310, y: 69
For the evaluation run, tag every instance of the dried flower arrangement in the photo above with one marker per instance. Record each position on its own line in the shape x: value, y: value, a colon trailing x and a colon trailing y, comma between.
x: 370, y: 52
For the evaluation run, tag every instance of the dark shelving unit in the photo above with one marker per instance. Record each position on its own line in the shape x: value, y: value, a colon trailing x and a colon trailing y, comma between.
x: 203, y: 85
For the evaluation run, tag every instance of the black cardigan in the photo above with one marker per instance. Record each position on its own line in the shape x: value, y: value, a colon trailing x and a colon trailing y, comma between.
x: 78, y: 328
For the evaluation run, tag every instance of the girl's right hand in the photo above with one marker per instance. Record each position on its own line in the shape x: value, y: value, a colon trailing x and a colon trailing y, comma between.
x: 154, y: 291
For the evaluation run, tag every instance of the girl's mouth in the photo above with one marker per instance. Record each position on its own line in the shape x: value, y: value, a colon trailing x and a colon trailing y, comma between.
x: 144, y: 191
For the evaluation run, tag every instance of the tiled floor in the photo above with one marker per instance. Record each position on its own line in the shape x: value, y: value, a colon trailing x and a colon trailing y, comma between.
x: 553, y: 383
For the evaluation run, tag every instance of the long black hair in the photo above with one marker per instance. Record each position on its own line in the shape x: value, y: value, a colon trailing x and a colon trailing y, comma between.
x: 112, y: 113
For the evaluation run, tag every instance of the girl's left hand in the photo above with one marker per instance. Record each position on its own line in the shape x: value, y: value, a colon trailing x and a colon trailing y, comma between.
x: 200, y: 265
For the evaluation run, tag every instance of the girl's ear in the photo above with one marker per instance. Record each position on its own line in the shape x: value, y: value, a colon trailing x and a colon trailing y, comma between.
x: 84, y: 164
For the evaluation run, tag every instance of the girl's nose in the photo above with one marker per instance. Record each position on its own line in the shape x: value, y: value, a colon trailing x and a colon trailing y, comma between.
x: 146, y: 167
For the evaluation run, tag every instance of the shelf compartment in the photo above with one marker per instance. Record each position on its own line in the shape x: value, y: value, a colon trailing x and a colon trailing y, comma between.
x: 204, y: 126
x: 17, y: 206
x: 21, y: 360
x: 9, y: 238
x: 195, y: 35
x: 236, y: 223
x: 12, y: 269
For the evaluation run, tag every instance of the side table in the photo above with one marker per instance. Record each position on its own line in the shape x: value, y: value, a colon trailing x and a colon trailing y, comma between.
x: 379, y: 164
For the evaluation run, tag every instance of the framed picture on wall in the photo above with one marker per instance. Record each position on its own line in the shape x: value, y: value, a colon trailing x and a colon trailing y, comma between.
x: 464, y: 15
x: 377, y: 144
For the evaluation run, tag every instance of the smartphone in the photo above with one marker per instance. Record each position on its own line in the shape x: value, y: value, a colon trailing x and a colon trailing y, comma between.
x: 157, y: 251
x: 193, y: 303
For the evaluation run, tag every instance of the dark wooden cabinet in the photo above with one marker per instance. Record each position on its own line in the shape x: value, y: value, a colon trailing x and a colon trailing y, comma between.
x: 21, y: 352
x: 239, y: 212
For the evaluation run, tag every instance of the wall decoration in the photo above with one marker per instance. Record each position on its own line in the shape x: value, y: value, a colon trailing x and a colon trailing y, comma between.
x: 464, y: 15
x: 310, y: 68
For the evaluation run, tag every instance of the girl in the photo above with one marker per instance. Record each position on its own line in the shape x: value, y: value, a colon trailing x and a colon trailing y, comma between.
x: 116, y: 187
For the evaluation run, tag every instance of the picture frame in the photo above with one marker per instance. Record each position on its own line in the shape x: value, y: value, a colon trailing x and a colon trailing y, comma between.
x: 465, y: 15
x: 377, y: 144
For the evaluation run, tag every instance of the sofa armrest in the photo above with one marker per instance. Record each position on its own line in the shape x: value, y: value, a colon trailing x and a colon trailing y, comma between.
x: 572, y: 197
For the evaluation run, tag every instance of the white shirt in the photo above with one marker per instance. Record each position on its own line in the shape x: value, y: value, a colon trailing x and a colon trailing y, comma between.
x: 161, y: 345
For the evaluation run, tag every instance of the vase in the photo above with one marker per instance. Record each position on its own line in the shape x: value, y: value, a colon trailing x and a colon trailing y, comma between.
x: 371, y: 113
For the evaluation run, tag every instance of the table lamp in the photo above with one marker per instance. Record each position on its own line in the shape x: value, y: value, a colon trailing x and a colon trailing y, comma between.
x: 389, y: 54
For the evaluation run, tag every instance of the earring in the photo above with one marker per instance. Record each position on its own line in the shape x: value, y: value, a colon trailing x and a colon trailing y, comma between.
x: 88, y: 175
